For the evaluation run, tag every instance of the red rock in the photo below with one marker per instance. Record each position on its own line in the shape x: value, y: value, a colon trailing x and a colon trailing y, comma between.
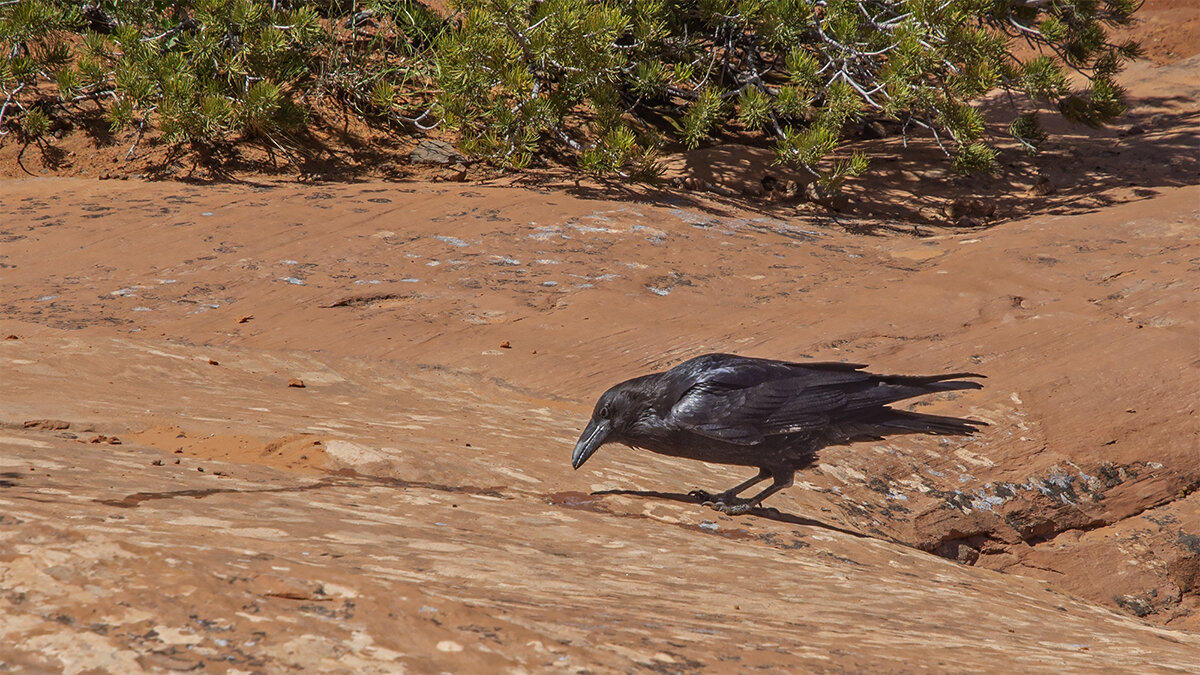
x: 46, y: 424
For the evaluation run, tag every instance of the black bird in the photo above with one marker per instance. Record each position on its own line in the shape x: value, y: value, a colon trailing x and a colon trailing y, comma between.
x: 773, y: 415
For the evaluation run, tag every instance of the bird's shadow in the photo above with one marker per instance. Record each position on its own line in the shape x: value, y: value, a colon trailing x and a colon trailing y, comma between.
x: 766, y: 513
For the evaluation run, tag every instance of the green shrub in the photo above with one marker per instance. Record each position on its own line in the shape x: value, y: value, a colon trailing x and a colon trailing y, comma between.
x: 204, y: 70
x: 381, y: 62
x: 519, y: 77
x: 602, y: 83
x: 514, y: 71
x: 33, y: 36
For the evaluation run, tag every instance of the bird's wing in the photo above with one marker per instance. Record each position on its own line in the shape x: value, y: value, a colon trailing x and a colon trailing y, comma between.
x: 737, y: 406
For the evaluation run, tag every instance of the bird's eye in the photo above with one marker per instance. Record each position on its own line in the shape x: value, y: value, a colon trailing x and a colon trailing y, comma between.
x: 604, y: 412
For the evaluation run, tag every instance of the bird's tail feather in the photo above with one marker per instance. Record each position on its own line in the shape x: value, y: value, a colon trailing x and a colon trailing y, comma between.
x: 891, y: 388
x: 932, y: 424
x: 935, y: 382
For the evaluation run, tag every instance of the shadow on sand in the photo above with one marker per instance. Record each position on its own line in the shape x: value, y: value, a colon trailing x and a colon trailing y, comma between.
x: 760, y: 512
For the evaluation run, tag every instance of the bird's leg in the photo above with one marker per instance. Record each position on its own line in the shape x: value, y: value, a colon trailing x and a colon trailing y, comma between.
x: 736, y: 506
x: 730, y: 495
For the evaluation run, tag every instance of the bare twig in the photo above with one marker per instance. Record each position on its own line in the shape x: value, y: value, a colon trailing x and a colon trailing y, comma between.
x: 141, y: 132
x: 9, y: 100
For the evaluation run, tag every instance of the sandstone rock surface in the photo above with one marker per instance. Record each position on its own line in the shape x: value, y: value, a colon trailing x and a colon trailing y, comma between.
x: 412, y: 508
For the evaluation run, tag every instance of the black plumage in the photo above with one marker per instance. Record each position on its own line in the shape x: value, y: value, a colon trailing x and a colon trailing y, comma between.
x: 773, y: 415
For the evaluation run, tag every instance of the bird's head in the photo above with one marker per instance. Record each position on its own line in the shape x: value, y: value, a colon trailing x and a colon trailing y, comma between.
x: 617, y: 411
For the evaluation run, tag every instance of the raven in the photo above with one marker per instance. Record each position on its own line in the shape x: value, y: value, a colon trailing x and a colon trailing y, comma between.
x: 769, y: 414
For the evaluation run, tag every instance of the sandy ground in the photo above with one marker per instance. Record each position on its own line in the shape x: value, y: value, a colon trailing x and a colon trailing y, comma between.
x: 268, y: 426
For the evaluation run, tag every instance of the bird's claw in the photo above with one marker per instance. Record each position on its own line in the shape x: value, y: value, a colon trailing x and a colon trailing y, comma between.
x: 731, y: 509
x: 734, y: 509
x: 722, y: 502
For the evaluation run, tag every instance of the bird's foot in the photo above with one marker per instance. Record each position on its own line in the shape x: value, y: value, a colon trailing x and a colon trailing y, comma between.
x: 735, y: 509
x: 723, y: 502
x: 727, y: 504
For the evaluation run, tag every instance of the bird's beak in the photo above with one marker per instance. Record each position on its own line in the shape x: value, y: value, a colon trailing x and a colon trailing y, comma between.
x: 592, y: 438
